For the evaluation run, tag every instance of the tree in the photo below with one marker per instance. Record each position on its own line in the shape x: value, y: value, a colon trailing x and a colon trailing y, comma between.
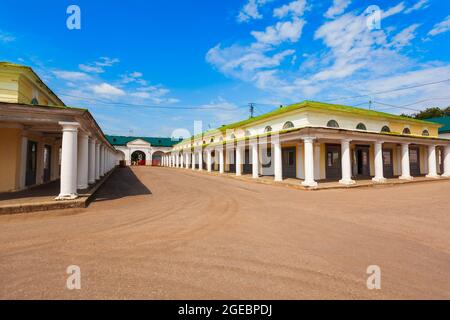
x: 433, y: 112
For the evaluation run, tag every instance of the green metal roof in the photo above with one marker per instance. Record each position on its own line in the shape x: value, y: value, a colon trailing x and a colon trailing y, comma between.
x: 154, y: 141
x: 442, y: 120
x: 319, y: 106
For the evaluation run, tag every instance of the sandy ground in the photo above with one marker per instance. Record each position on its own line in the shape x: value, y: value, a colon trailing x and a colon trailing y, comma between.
x: 175, y: 234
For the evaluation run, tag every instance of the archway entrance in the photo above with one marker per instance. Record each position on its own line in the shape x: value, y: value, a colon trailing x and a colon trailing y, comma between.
x: 156, y: 158
x: 138, y: 158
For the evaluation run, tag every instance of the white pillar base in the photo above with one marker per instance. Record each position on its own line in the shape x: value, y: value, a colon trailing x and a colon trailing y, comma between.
x: 433, y: 176
x: 379, y: 180
x: 67, y: 196
x: 311, y: 184
x: 347, y: 182
x: 406, y: 178
x: 445, y: 175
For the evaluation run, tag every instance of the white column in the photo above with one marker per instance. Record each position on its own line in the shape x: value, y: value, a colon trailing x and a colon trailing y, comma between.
x: 346, y: 163
x: 255, y: 158
x: 100, y: 167
x: 91, y: 162
x: 405, y: 163
x: 68, y: 184
x: 200, y: 160
x: 432, y: 163
x: 446, y: 162
x: 309, y: 162
x: 97, y: 160
x: 221, y: 161
x: 379, y: 174
x: 238, y: 160
x: 181, y: 160
x: 83, y: 161
x: 277, y: 160
x: 177, y: 160
x: 208, y: 160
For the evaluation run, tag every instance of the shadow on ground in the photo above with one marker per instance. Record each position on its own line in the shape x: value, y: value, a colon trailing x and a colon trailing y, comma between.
x: 47, y: 190
x: 122, y: 183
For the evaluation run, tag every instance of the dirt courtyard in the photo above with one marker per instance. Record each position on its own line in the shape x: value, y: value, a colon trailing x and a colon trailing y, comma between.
x: 161, y: 233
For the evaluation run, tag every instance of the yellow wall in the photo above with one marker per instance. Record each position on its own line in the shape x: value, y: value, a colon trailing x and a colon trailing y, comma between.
x: 10, y: 150
x: 8, y: 87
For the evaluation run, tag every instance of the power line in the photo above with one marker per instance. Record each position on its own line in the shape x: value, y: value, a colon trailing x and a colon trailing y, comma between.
x: 123, y: 104
x: 388, y: 91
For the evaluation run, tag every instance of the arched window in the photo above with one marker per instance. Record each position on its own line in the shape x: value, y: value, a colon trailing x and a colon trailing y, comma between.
x: 361, y: 126
x: 34, y: 101
x: 233, y: 136
x: 426, y: 133
x: 288, y: 125
x: 212, y: 140
x: 385, y: 129
x: 332, y: 124
x: 406, y: 131
x: 268, y: 129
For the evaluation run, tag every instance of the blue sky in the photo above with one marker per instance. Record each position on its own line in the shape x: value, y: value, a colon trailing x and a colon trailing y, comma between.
x: 150, y: 67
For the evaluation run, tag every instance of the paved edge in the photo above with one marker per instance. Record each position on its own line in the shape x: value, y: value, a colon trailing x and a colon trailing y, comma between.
x: 82, y: 201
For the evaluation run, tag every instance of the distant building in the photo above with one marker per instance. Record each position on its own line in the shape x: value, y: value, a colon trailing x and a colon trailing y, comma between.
x: 315, y: 142
x: 43, y: 140
x: 142, y: 150
x: 444, y: 131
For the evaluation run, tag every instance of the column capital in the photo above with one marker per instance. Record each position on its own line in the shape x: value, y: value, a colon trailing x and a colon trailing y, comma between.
x: 69, y: 126
x: 309, y: 139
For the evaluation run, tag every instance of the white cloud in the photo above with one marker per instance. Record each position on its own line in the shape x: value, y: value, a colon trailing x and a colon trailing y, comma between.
x: 296, y: 8
x: 404, y: 37
x: 281, y: 32
x: 6, y: 37
x: 250, y: 10
x: 337, y: 8
x: 71, y: 75
x: 90, y: 69
x: 105, y: 89
x: 243, y: 62
x: 99, y: 65
x: 421, y: 4
x: 440, y: 27
x: 393, y: 10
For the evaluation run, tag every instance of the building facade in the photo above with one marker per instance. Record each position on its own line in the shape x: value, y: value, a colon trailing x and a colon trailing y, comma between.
x: 314, y: 142
x: 143, y: 151
x: 42, y: 140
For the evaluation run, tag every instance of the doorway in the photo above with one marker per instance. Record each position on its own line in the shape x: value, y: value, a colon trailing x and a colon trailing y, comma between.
x: 388, y: 163
x: 138, y: 158
x: 362, y: 164
x: 333, y: 168
x: 247, y: 166
x: 289, y: 162
x: 47, y: 163
x: 414, y: 160
x: 30, y: 175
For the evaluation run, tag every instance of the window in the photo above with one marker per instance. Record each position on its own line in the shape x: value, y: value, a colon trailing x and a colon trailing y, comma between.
x: 268, y: 129
x: 288, y: 125
x: 361, y: 126
x: 425, y: 133
x: 247, y: 133
x: 233, y: 136
x: 212, y: 140
x: 332, y: 124
x: 34, y: 101
x: 385, y: 129
x: 406, y: 131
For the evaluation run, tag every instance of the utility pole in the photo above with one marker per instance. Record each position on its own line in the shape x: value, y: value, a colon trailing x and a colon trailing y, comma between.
x: 251, y: 108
